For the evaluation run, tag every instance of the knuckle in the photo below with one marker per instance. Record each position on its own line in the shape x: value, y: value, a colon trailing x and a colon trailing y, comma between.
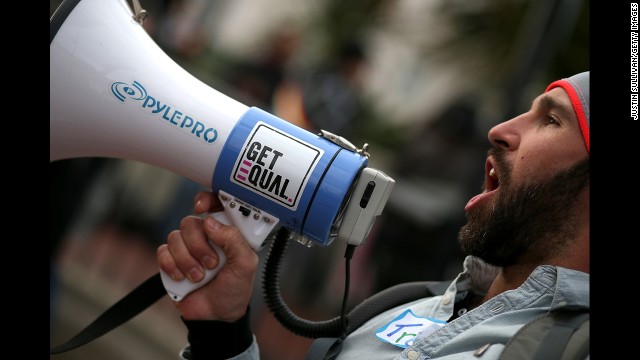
x: 174, y: 237
x: 190, y: 220
x: 161, y: 250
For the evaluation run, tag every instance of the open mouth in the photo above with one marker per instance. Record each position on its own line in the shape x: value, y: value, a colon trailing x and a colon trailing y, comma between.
x: 492, y: 181
x: 491, y: 184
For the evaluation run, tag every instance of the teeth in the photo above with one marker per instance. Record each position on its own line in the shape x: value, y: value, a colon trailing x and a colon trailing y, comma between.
x: 492, y: 172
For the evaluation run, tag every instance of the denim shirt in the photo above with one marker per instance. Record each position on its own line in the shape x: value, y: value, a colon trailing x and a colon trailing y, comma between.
x: 493, y: 322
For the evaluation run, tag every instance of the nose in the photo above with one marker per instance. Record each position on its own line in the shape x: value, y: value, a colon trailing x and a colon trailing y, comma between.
x: 505, y: 135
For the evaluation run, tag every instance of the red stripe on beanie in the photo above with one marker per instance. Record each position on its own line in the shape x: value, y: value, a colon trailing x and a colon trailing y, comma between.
x: 577, y: 106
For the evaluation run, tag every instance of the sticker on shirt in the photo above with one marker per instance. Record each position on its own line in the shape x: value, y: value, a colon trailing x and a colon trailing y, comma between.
x: 406, y: 327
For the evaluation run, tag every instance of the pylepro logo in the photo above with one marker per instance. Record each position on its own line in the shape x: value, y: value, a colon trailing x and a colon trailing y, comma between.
x: 275, y: 164
x: 136, y: 92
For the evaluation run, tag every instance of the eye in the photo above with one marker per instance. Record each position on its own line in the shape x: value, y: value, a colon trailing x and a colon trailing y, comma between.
x: 551, y: 120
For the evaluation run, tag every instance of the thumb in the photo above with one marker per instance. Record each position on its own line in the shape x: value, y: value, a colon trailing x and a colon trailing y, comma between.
x: 240, y: 255
x: 228, y: 237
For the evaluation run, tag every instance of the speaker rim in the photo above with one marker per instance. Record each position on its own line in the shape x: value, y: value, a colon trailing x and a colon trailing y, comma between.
x: 59, y: 16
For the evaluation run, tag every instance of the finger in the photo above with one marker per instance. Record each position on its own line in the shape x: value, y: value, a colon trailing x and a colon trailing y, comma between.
x: 166, y: 263
x: 233, y: 244
x: 183, y: 259
x: 206, y: 201
x: 197, y: 242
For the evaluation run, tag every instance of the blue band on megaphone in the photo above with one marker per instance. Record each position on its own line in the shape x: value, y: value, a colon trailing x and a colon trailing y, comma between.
x: 299, y: 177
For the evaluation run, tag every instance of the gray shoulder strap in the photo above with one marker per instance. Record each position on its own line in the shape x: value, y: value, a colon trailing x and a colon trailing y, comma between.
x: 560, y: 335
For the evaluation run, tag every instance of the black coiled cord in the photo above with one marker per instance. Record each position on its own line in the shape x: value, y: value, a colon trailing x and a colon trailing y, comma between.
x: 340, y: 326
x: 275, y: 302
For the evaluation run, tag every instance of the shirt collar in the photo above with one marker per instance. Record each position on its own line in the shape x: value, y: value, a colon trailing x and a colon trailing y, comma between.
x: 570, y: 287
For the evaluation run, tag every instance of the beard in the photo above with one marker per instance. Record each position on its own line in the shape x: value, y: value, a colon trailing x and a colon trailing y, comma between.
x: 527, y: 223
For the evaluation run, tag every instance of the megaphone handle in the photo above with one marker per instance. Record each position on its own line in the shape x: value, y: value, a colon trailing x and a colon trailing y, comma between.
x: 177, y: 290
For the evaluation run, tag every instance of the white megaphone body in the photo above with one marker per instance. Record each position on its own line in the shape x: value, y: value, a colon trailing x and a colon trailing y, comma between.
x: 114, y: 93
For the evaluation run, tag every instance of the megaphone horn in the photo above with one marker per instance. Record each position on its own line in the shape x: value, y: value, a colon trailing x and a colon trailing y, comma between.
x: 115, y: 93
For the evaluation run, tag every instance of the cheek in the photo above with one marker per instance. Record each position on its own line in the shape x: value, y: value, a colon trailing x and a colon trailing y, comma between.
x: 529, y: 166
x: 544, y: 161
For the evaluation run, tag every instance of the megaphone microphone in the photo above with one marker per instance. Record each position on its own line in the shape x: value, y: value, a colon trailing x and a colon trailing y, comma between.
x: 115, y: 93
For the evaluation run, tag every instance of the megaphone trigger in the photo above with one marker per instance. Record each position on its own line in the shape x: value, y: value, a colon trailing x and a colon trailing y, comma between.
x: 254, y: 224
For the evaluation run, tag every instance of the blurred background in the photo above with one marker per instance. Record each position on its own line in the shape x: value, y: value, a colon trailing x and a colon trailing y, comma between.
x: 420, y: 81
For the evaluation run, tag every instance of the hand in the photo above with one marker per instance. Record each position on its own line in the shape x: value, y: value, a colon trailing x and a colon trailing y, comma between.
x: 187, y: 253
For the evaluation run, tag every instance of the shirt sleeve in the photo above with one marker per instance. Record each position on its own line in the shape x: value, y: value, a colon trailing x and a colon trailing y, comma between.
x: 252, y: 353
x: 219, y: 340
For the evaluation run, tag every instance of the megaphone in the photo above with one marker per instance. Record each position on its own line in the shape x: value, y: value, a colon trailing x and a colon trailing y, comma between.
x: 115, y: 93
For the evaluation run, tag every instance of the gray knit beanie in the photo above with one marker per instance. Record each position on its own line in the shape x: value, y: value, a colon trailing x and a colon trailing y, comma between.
x: 577, y: 87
